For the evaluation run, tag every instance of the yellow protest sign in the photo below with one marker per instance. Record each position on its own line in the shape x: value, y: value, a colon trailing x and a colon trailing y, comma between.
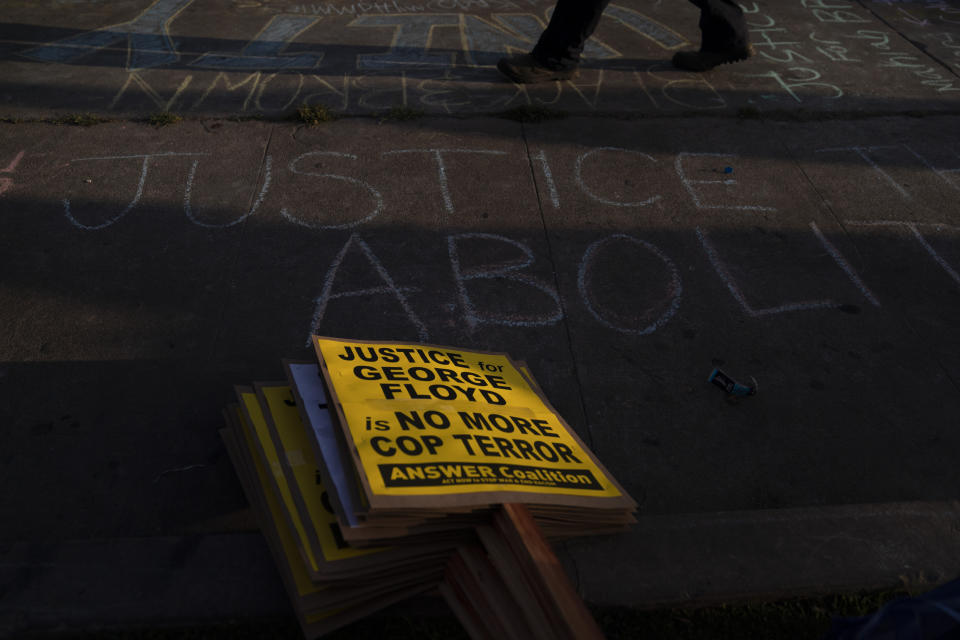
x: 309, y: 494
x: 440, y: 421
x: 257, y: 432
x: 286, y: 538
x: 321, y: 608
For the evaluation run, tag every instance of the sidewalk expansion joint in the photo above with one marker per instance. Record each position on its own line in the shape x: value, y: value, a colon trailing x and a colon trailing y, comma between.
x: 556, y: 283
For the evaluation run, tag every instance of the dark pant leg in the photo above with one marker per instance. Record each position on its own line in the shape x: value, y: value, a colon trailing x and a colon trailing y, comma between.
x: 722, y: 25
x: 572, y: 22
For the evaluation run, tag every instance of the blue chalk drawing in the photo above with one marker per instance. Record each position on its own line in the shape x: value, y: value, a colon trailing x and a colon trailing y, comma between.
x: 411, y: 39
x: 147, y: 36
x: 265, y: 51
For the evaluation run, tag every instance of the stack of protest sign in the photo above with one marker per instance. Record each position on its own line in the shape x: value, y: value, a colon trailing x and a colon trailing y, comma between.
x: 330, y: 583
x: 381, y: 471
x: 432, y: 431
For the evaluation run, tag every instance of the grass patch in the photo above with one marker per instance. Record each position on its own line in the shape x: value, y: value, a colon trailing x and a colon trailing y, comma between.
x: 794, y: 619
x: 80, y: 119
x: 164, y: 118
x: 315, y: 115
x: 749, y: 113
x: 532, y: 113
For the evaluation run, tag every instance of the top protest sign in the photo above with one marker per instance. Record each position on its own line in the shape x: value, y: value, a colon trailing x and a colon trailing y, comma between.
x: 433, y: 426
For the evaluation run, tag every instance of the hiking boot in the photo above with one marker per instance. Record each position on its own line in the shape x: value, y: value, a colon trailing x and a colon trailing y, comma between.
x: 706, y: 60
x: 525, y: 69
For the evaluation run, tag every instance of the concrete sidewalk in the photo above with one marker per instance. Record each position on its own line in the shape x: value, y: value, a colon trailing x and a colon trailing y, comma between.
x: 683, y: 560
x: 224, y: 58
x: 803, y: 235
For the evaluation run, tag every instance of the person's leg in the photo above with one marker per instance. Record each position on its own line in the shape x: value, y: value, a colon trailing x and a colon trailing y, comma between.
x: 724, y: 37
x: 722, y: 25
x: 556, y: 55
x: 572, y: 23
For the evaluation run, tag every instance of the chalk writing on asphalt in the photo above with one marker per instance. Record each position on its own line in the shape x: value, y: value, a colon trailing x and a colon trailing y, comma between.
x: 893, y: 52
x: 794, y: 74
x: 479, y: 262
x: 440, y: 56
x: 6, y: 182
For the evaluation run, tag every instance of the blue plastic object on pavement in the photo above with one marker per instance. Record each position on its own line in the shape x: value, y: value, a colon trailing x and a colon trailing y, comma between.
x: 935, y: 614
x: 731, y: 386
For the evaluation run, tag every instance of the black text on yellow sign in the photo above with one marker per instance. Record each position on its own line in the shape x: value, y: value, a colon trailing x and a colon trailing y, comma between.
x: 434, y: 375
x: 434, y: 420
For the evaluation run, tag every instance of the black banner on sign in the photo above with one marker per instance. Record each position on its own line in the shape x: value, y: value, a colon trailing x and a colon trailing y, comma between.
x: 438, y: 474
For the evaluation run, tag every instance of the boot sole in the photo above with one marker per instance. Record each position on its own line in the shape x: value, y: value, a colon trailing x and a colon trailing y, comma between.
x: 740, y: 57
x: 516, y: 76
